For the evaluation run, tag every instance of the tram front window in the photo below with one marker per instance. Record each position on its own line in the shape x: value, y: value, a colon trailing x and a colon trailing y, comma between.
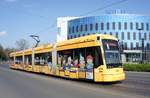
x: 112, y: 58
x: 112, y: 54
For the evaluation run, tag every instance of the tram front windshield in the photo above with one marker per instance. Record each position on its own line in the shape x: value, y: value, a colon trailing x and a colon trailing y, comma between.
x: 112, y: 53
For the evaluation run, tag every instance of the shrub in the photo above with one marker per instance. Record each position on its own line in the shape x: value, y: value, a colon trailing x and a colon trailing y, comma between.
x: 137, y: 67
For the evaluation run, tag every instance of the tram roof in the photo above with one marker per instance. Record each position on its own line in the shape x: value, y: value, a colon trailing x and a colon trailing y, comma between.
x: 39, y: 49
x: 49, y: 47
x: 86, y: 39
x: 43, y: 48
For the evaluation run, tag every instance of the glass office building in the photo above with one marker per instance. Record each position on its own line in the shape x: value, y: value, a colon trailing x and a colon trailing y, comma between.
x: 133, y: 32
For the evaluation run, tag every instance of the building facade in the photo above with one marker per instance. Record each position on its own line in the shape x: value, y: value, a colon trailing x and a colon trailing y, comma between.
x: 133, y: 32
x: 62, y: 23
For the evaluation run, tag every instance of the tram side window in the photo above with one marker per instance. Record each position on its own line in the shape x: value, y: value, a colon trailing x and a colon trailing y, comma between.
x: 93, y: 57
x: 65, y: 58
x: 83, y: 58
x: 43, y: 58
x: 76, y: 58
x: 18, y: 60
x: 49, y: 58
x: 90, y: 56
x: 39, y: 60
x: 28, y: 60
x: 59, y: 59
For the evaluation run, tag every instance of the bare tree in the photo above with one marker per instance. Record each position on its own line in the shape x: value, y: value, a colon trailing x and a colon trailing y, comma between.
x: 2, y: 53
x: 22, y: 44
x: 8, y: 51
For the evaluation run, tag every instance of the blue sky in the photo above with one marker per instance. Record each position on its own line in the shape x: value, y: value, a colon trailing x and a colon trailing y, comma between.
x: 21, y: 18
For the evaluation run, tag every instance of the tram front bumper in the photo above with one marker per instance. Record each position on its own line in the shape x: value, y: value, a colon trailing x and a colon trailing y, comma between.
x: 113, y: 77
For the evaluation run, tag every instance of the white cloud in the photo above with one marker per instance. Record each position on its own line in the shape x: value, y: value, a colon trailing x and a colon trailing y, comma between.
x: 2, y: 33
x: 10, y: 0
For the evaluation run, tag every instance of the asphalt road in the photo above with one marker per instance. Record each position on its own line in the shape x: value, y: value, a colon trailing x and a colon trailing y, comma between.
x: 19, y: 84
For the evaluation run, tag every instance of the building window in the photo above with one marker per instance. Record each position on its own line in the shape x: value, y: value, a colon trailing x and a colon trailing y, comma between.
x: 110, y: 33
x: 96, y: 26
x: 131, y: 45
x: 72, y: 29
x: 125, y: 46
x: 134, y: 36
x: 142, y: 26
x: 131, y: 25
x: 105, y: 33
x: 137, y: 45
x: 77, y: 28
x: 74, y: 36
x: 113, y: 25
x: 122, y: 35
x: 107, y: 26
x: 71, y: 37
x: 148, y: 46
x: 102, y: 26
x: 86, y: 27
x: 140, y: 36
x: 149, y: 36
x: 88, y: 34
x: 119, y: 25
x: 81, y: 28
x: 145, y: 37
x: 117, y: 34
x: 83, y: 35
x: 69, y: 30
x: 79, y: 35
x: 91, y: 27
x: 125, y: 26
x: 137, y: 26
x: 128, y: 35
x: 147, y: 26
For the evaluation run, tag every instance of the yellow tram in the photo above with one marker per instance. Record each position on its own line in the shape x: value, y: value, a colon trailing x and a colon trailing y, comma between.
x: 93, y: 57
